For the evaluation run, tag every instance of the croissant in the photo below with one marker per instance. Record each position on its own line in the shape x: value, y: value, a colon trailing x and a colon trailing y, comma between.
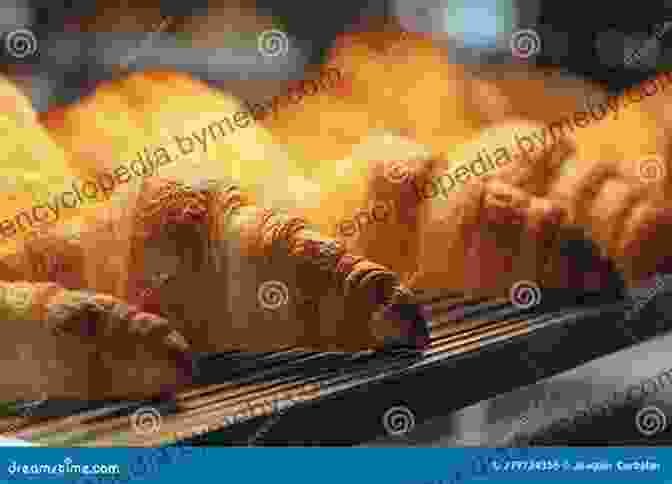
x: 234, y: 276
x: 181, y: 110
x: 486, y: 221
x: 67, y: 344
x: 618, y: 184
x: 171, y: 124
x: 543, y: 176
x: 33, y: 167
x: 380, y: 90
x: 437, y: 229
x: 438, y: 108
x: 91, y: 282
x: 322, y: 126
x: 504, y: 208
x: 540, y: 94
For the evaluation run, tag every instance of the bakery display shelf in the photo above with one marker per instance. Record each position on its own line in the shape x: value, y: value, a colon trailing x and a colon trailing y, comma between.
x: 479, y: 348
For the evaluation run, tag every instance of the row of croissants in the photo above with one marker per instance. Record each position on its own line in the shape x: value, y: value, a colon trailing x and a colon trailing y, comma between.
x: 241, y: 244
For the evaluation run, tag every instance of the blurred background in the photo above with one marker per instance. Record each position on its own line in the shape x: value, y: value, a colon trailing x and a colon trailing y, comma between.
x: 80, y: 42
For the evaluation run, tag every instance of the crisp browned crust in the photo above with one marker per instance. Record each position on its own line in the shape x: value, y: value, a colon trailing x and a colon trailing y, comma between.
x: 207, y: 217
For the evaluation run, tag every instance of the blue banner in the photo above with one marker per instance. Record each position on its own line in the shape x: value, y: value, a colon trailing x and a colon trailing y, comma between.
x: 183, y: 464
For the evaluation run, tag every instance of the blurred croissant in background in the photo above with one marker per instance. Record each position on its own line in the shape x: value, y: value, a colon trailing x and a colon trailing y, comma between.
x: 83, y: 296
x: 454, y: 112
x: 331, y: 193
x: 341, y: 204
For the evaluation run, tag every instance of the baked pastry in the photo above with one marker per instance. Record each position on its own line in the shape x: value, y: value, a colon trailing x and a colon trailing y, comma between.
x: 229, y: 275
x: 370, y: 202
x: 410, y: 211
x: 486, y: 220
x: 171, y: 124
x: 94, y: 263
x: 541, y: 94
x: 34, y: 167
x: 66, y: 344
x: 382, y: 62
x: 60, y: 342
x: 619, y: 183
x: 381, y: 91
x: 499, y: 210
x: 562, y: 165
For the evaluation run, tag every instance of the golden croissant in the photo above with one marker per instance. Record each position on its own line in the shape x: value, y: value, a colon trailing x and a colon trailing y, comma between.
x: 116, y: 296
